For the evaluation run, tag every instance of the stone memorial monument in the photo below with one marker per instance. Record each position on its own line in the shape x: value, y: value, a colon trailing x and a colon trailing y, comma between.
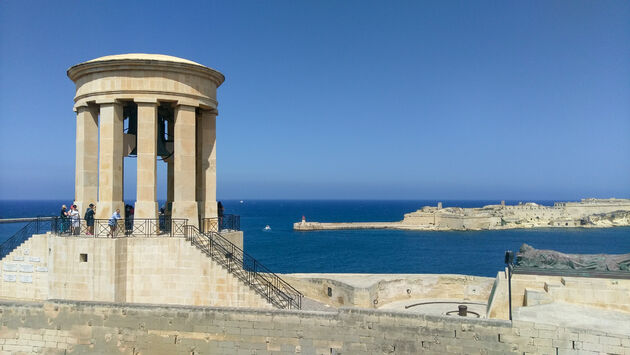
x: 149, y: 106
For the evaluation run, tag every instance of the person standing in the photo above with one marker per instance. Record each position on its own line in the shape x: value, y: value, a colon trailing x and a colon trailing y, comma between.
x: 63, y: 219
x: 113, y: 222
x: 75, y: 218
x: 89, y: 219
x: 220, y: 215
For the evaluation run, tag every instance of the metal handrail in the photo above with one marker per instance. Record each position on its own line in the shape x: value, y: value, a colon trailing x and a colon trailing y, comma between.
x: 217, y: 224
x: 131, y: 227
x: 35, y: 226
x: 258, y: 277
x: 269, y: 285
x: 24, y: 219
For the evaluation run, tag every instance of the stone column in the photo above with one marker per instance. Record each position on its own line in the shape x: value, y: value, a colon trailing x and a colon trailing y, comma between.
x: 146, y: 200
x: 86, y: 174
x: 184, y: 203
x: 209, y: 162
x: 110, y: 179
x: 198, y: 163
x: 170, y: 167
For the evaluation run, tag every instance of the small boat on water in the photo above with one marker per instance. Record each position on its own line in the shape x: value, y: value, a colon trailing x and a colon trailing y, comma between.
x: 267, y: 228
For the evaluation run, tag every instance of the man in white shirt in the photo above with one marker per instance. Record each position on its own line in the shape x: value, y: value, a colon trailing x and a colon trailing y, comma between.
x: 75, y: 219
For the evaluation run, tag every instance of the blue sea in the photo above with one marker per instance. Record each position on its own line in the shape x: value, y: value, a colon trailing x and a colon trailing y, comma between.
x: 373, y: 251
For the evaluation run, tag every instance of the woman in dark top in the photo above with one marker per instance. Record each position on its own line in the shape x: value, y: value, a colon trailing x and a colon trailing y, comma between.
x: 63, y: 220
x: 89, y: 219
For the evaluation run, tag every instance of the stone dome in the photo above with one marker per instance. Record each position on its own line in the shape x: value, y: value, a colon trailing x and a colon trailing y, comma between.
x: 143, y: 56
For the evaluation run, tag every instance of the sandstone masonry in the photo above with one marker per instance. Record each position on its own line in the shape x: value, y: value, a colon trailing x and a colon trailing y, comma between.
x: 57, y: 327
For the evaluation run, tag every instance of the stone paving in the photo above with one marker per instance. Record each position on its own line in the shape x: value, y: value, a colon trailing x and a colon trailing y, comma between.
x: 568, y: 315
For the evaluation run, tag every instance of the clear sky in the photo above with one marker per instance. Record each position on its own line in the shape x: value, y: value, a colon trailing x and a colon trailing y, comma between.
x: 347, y: 99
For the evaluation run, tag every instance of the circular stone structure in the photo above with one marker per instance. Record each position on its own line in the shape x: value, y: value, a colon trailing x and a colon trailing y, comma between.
x: 147, y: 105
x: 152, y: 76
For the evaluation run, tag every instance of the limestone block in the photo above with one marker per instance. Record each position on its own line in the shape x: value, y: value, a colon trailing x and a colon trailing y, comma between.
x: 536, y: 297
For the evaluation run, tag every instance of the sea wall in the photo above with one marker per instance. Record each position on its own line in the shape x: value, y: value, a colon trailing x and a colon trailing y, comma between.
x: 100, y: 328
x: 121, y: 270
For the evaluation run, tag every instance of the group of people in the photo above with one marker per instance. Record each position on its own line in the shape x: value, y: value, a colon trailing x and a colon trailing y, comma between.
x: 71, y: 220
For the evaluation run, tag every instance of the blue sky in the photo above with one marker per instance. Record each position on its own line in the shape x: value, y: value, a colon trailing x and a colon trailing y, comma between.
x: 347, y: 99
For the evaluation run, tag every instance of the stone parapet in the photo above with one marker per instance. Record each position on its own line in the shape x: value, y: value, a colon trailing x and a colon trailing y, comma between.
x: 57, y: 327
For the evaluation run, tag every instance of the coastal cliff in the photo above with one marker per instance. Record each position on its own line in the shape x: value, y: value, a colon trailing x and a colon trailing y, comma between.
x: 595, y: 213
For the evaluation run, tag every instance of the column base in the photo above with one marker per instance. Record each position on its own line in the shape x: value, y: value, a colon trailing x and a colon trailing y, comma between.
x: 201, y: 210
x: 146, y: 209
x: 105, y: 209
x: 211, y: 209
x: 187, y: 210
x: 208, y: 211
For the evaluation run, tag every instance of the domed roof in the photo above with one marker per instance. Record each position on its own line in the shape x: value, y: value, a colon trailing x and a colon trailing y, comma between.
x: 143, y: 56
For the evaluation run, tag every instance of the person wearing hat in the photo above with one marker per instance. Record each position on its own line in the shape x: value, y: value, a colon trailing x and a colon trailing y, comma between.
x: 75, y: 218
x: 89, y: 219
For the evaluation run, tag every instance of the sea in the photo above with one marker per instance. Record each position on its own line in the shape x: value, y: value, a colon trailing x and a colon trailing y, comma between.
x: 283, y: 250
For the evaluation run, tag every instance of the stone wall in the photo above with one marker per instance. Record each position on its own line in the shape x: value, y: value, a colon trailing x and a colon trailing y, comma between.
x: 135, y: 270
x: 529, y: 290
x: 378, y: 290
x: 92, y: 328
x: 24, y: 272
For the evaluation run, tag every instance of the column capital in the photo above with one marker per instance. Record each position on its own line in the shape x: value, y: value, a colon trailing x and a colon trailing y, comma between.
x: 145, y: 100
x: 186, y: 102
x: 108, y: 102
x: 82, y: 108
x: 79, y: 106
x: 185, y: 106
x: 86, y: 107
x: 212, y: 112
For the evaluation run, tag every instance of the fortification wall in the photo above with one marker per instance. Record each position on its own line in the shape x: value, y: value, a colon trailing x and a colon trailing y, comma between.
x: 137, y: 270
x: 89, y: 328
x: 529, y: 215
x: 378, y: 290
x: 419, y: 218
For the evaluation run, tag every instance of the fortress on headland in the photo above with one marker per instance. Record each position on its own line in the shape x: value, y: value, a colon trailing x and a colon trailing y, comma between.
x: 179, y: 282
x: 589, y: 212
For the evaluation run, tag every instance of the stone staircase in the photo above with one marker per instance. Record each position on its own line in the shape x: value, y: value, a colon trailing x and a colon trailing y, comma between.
x: 240, y: 264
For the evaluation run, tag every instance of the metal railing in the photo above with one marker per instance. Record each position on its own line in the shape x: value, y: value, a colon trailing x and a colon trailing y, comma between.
x: 36, y: 225
x: 103, y: 228
x: 267, y: 284
x: 225, y: 222
x: 240, y: 264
